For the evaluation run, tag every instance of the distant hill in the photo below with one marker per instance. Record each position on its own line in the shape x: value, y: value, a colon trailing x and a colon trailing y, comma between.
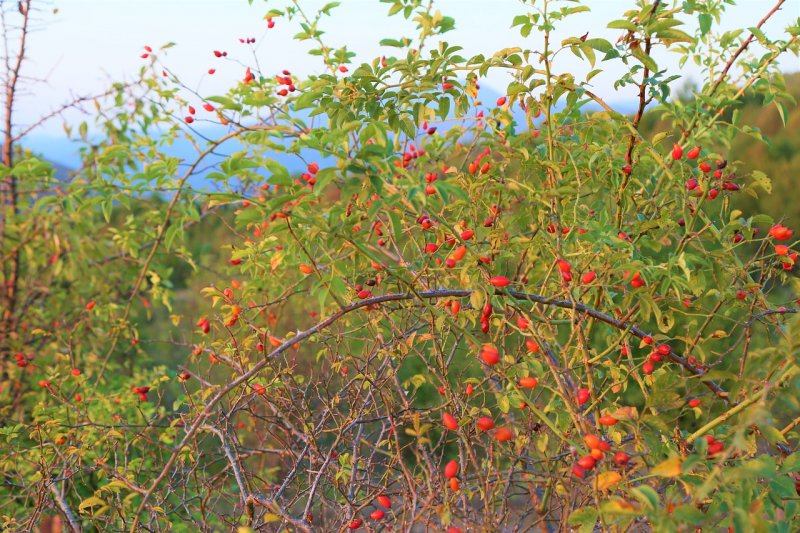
x: 65, y: 152
x: 62, y: 171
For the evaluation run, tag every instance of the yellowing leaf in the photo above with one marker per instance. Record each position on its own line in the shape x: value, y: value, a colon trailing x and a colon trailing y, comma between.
x: 92, y: 501
x: 271, y: 517
x: 669, y: 468
x: 477, y: 299
x: 504, y: 404
x: 275, y: 261
x: 619, y: 507
x: 114, y: 486
x: 606, y: 480
x: 626, y: 413
x: 505, y: 52
x: 410, y: 339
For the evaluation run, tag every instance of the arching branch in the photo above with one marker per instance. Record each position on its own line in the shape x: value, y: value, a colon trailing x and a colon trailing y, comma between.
x: 377, y: 300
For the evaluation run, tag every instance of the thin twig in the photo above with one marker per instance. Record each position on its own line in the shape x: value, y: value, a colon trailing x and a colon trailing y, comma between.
x: 436, y: 294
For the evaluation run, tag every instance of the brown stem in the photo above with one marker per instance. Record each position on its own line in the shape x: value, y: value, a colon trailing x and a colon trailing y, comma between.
x: 643, y: 101
x: 642, y: 94
x: 437, y: 294
x: 748, y: 332
x: 58, y: 496
x: 238, y: 473
x: 731, y: 61
x: 762, y: 314
x: 9, y: 186
x: 742, y: 48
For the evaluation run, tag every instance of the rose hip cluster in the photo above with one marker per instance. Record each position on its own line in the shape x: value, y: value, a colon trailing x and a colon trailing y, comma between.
x: 715, y: 181
x: 597, y: 451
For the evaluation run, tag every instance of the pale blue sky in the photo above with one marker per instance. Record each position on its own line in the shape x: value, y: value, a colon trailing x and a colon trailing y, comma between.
x: 89, y: 42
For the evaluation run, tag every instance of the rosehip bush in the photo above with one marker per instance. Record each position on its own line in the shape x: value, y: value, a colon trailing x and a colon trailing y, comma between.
x: 424, y: 309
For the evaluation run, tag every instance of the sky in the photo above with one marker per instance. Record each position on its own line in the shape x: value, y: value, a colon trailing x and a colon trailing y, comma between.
x: 87, y: 44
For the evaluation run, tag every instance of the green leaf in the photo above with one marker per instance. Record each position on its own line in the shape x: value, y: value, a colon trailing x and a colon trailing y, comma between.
x: 504, y: 404
x: 377, y: 183
x: 330, y: 5
x: 585, y: 517
x: 672, y: 35
x: 622, y: 25
x: 280, y: 176
x: 444, y: 107
x: 577, y: 9
x: 688, y: 514
x: 307, y: 99
x: 644, y: 58
x: 107, y: 207
x: 515, y: 88
x: 520, y: 19
x: 663, y: 24
x: 781, y: 107
x: 408, y: 127
x: 705, y: 23
x: 225, y: 102
x: 783, y: 487
x: 791, y: 463
x: 759, y: 35
x: 601, y: 45
x: 772, y: 434
x: 646, y: 495
x: 395, y: 43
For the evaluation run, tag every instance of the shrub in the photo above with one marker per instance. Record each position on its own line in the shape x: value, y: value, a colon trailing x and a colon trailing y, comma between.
x: 516, y: 313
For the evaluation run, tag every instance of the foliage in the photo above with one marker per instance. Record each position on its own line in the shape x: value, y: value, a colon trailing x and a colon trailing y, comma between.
x: 766, y: 140
x: 383, y: 314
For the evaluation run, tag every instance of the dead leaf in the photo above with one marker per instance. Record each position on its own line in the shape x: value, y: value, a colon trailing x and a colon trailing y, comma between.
x: 626, y: 413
